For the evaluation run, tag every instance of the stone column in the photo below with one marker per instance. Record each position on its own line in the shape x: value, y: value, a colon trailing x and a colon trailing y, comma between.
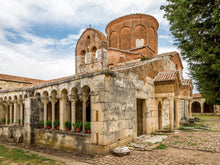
x: 53, y: 102
x: 6, y: 113
x: 202, y: 106
x: 15, y: 112
x: 177, y: 112
x: 171, y: 111
x: 10, y: 104
x: 85, y: 97
x: 21, y: 111
x: 45, y: 102
x: 73, y: 99
x: 190, y: 108
x: 187, y: 108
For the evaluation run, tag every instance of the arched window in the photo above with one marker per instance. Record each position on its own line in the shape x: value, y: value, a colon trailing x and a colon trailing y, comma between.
x: 137, y: 43
x: 94, y: 52
x: 141, y: 42
x: 82, y: 54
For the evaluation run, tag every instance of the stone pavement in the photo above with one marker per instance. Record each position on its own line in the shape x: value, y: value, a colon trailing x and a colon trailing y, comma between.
x: 203, y: 141
x: 183, y: 148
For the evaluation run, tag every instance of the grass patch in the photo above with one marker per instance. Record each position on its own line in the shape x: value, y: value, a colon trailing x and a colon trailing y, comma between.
x: 176, y: 137
x: 191, y: 143
x: 161, y: 146
x: 17, y: 155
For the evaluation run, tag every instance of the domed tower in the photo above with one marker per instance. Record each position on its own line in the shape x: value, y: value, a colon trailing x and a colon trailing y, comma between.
x: 133, y: 32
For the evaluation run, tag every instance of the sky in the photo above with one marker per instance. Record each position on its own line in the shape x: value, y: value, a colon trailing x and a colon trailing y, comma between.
x: 38, y: 37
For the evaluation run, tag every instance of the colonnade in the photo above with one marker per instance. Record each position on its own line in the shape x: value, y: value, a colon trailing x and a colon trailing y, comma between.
x: 73, y: 98
x: 174, y: 109
x: 13, y: 111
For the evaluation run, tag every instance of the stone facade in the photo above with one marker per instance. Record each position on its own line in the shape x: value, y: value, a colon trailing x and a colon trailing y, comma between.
x: 121, y: 86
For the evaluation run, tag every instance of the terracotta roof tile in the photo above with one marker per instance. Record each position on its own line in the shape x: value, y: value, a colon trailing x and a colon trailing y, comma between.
x: 6, y: 77
x: 166, y: 76
x: 196, y: 95
x: 186, y: 82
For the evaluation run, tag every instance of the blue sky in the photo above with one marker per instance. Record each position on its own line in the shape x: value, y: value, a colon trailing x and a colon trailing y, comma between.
x: 38, y: 37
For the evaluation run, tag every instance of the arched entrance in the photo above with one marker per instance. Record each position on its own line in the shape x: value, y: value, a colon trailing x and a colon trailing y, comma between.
x: 159, y: 116
x: 208, y: 108
x: 196, y: 107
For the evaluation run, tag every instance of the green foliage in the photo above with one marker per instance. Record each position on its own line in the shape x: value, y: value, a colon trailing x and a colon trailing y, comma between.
x: 161, y: 146
x: 19, y: 120
x: 78, y: 124
x: 41, y: 122
x: 3, y: 120
x: 196, y: 28
x: 56, y: 123
x: 22, y: 121
x: 17, y: 155
x: 49, y: 123
x: 67, y: 124
x: 8, y: 120
x: 87, y: 125
x: 144, y: 58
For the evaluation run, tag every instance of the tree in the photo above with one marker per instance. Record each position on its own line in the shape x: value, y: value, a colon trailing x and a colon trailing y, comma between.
x: 195, y: 24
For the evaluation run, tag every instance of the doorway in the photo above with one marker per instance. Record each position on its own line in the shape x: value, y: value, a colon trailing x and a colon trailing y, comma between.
x: 140, y: 110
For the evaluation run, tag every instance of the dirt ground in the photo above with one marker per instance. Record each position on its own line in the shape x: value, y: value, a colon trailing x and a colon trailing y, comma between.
x: 183, y: 147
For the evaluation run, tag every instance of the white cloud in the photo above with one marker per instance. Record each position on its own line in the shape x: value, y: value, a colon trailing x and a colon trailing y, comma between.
x: 48, y: 57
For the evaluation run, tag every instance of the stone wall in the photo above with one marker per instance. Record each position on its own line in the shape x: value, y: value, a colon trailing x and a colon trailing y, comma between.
x: 66, y: 140
x: 165, y: 121
x: 11, y: 84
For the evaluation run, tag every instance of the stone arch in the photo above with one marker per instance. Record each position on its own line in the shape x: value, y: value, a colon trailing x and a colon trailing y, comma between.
x: 196, y: 107
x: 125, y: 38
x: 83, y: 56
x: 74, y: 91
x: 160, y: 112
x: 140, y: 35
x: 208, y: 108
x: 113, y: 40
x: 57, y: 104
x: 151, y: 38
x: 94, y: 53
x: 65, y: 105
x: 86, y: 90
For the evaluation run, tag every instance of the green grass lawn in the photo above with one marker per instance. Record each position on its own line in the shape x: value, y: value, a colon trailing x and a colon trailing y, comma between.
x: 20, y: 157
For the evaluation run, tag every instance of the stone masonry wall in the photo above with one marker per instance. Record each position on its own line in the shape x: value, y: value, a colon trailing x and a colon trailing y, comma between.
x: 11, y: 84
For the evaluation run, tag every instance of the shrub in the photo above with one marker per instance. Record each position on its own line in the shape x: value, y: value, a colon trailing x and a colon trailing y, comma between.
x: 78, y: 124
x: 41, y: 122
x: 19, y: 120
x: 3, y: 120
x: 67, y: 124
x: 22, y: 121
x: 87, y: 125
x: 8, y: 120
x: 144, y: 58
x: 49, y: 123
x: 56, y: 123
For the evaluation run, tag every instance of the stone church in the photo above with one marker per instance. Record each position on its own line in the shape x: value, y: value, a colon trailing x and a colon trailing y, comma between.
x: 121, y: 85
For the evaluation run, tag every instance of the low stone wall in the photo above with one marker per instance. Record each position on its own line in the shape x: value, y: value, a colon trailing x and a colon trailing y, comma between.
x: 62, y: 139
x: 16, y: 133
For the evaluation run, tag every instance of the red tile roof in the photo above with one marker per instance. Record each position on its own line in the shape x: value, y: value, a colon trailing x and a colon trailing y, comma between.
x: 186, y: 82
x: 166, y: 76
x: 6, y: 77
x: 196, y: 95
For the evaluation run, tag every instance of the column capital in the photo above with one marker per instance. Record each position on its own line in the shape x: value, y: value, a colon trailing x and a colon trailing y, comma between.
x: 84, y: 97
x: 45, y: 100
x: 73, y: 98
x: 10, y: 103
x: 53, y: 100
x: 21, y: 101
